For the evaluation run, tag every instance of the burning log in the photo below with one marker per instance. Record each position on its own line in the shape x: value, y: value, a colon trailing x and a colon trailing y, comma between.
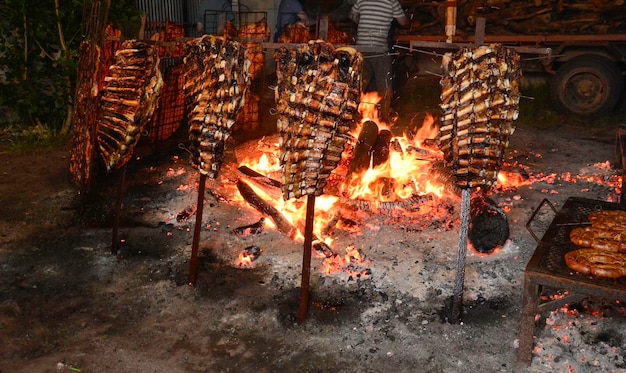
x: 251, y: 229
x: 380, y: 153
x: 410, y: 203
x: 322, y: 249
x: 363, y: 150
x: 489, y: 227
x: 271, y: 186
x: 186, y: 213
x: 264, y: 207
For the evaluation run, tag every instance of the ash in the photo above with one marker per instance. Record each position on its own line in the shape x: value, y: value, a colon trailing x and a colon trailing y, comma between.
x: 67, y: 304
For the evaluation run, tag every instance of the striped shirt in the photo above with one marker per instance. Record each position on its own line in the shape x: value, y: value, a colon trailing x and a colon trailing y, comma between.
x: 375, y: 17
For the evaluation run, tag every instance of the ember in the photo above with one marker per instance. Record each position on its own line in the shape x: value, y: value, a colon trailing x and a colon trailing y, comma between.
x: 353, y: 263
x: 248, y: 256
x: 188, y: 212
x: 252, y: 229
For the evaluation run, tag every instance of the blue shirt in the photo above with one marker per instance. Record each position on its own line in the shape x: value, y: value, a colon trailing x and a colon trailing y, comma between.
x: 287, y: 13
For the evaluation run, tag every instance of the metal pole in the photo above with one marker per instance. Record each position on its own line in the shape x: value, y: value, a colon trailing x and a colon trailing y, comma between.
x: 115, y: 242
x: 457, y: 298
x: 193, y: 262
x: 306, y: 258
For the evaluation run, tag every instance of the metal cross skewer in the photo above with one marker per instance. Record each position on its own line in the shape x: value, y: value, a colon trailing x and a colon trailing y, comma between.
x: 457, y: 298
x: 303, y: 304
x: 193, y: 261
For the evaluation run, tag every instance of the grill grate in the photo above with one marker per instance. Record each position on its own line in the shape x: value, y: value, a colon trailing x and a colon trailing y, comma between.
x: 555, y: 243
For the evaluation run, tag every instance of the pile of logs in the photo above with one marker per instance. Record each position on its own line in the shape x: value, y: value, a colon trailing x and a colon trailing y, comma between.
x: 520, y: 16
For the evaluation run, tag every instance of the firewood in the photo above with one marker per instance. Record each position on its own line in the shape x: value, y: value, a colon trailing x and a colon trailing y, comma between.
x: 266, y: 208
x: 269, y: 185
x: 363, y: 150
x: 410, y: 203
x: 380, y: 153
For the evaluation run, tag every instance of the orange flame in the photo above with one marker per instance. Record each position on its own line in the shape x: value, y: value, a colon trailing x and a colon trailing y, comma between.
x: 354, y: 262
x: 244, y: 260
x: 408, y: 172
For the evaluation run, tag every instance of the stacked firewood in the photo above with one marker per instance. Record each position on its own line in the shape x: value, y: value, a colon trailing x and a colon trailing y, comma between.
x: 479, y: 102
x: 521, y: 16
x: 317, y: 97
x: 216, y: 80
x: 128, y: 100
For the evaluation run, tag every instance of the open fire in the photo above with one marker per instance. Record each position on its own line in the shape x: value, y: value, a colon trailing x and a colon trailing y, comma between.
x: 405, y: 174
x: 408, y: 174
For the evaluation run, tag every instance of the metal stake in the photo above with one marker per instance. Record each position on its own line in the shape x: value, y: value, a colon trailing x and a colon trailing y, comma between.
x: 193, y: 262
x: 457, y: 298
x: 115, y: 242
x: 306, y: 258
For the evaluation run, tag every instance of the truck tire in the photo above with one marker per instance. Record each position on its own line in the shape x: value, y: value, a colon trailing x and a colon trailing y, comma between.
x: 587, y: 85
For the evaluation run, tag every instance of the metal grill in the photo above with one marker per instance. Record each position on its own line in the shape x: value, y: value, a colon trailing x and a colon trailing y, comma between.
x: 170, y: 113
x: 555, y: 242
x: 547, y: 268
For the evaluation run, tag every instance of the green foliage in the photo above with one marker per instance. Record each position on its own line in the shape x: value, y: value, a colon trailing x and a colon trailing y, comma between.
x: 534, y: 105
x: 16, y: 138
x: 38, y: 76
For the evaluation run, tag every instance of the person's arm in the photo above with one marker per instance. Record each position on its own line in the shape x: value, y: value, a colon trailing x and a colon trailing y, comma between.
x: 403, y: 21
x: 399, y: 15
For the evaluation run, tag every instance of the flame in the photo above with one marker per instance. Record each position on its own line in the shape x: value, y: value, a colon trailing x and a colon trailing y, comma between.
x: 511, y: 180
x: 244, y: 260
x: 354, y: 263
x: 408, y: 170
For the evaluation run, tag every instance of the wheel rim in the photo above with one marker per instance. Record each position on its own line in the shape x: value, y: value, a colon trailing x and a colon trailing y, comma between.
x: 584, y: 90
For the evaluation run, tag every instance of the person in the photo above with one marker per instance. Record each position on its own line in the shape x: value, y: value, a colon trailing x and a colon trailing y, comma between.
x: 212, y: 9
x: 289, y: 12
x: 374, y: 19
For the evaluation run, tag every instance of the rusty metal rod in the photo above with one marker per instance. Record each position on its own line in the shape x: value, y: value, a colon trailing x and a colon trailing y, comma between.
x: 457, y: 297
x: 115, y: 242
x: 193, y: 261
x: 303, y: 306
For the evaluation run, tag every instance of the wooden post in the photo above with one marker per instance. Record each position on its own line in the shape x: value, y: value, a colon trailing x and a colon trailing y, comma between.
x: 193, y: 262
x: 450, y: 20
x: 306, y: 258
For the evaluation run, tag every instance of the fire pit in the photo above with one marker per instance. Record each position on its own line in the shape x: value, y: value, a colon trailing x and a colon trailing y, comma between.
x: 547, y: 268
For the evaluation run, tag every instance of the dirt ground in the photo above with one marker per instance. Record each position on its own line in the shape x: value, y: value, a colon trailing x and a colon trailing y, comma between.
x: 68, y: 305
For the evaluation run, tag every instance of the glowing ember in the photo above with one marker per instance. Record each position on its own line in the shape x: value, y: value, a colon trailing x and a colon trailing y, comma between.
x: 354, y: 263
x: 248, y: 256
